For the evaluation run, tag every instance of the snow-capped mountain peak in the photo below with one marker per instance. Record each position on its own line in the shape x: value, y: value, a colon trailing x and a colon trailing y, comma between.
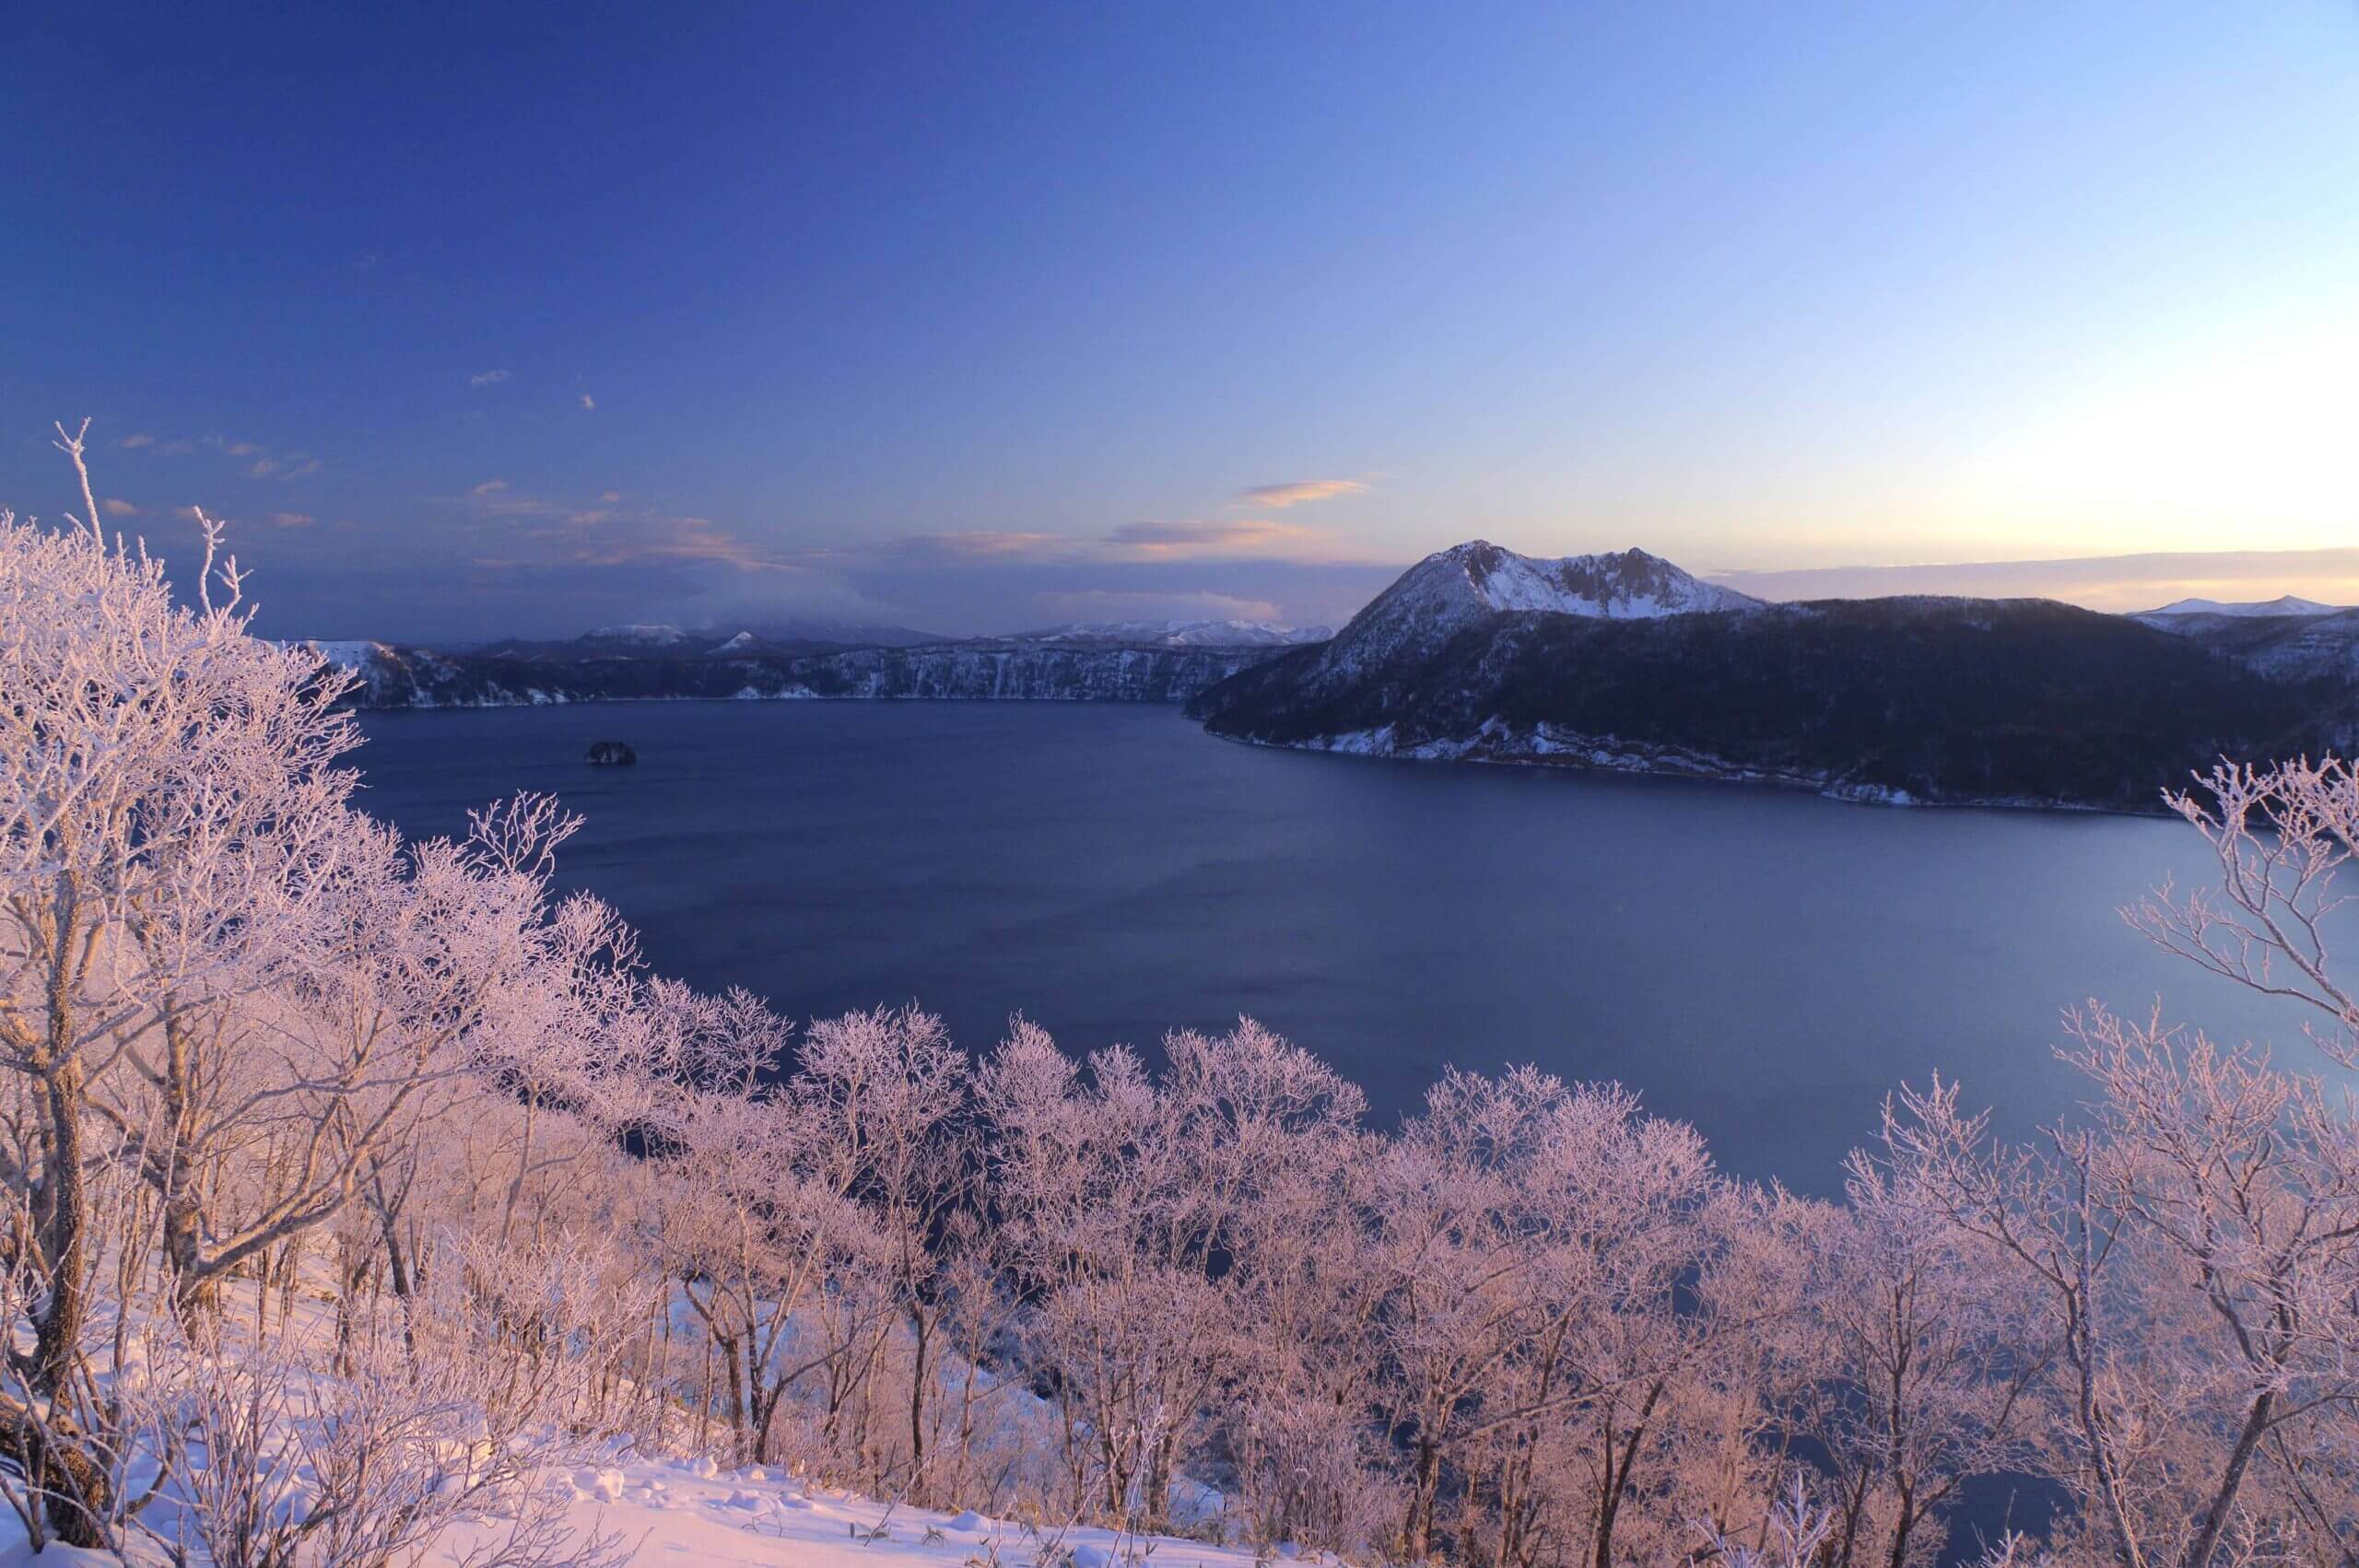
x: 1631, y: 585
x: 652, y: 635
x: 1183, y: 634
x: 743, y: 642
x: 2284, y: 604
x: 1451, y: 588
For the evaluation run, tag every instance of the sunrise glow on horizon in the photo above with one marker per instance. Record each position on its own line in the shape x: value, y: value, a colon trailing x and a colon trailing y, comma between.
x: 974, y: 323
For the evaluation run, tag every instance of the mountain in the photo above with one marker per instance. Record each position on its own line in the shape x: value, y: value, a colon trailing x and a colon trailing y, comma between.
x: 2311, y: 645
x: 2285, y: 638
x: 801, y: 634
x: 1181, y: 634
x: 1467, y: 584
x: 638, y: 636
x: 1955, y: 700
x: 2284, y: 604
x: 390, y: 676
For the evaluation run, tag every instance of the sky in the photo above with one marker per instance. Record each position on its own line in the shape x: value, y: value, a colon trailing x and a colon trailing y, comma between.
x: 478, y: 321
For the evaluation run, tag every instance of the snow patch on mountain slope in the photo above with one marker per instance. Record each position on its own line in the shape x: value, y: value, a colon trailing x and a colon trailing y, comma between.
x: 2284, y: 604
x: 1184, y: 633
x: 345, y: 653
x: 1452, y: 589
x: 651, y: 636
x: 1630, y: 586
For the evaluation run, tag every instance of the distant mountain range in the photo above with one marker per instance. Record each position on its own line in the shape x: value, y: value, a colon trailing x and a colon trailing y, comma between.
x: 1114, y: 662
x: 1626, y: 662
x: 2284, y: 604
x: 1181, y: 634
x: 1617, y: 661
x: 642, y: 642
x: 2286, y: 639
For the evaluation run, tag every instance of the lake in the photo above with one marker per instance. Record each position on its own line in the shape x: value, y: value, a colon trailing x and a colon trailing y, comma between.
x: 1764, y: 964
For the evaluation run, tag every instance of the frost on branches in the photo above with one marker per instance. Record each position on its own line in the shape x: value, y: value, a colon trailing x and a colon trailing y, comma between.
x: 359, y: 1197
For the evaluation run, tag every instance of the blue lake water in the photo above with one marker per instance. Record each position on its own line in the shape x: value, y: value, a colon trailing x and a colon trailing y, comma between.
x: 1764, y: 964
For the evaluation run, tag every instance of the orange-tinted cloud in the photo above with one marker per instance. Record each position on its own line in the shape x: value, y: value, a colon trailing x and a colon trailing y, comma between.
x: 1295, y: 492
x: 1167, y: 541
x: 1222, y: 539
x: 1126, y: 604
x: 610, y: 536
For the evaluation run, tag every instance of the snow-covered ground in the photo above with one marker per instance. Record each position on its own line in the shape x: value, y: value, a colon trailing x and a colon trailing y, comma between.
x: 1183, y: 634
x: 679, y: 1512
x: 681, y: 1509
x: 1452, y: 589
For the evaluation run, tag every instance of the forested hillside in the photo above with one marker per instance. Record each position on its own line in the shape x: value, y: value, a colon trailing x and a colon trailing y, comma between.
x: 363, y: 1200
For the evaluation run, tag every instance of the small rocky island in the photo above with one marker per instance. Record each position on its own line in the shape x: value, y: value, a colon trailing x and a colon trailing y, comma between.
x: 612, y: 754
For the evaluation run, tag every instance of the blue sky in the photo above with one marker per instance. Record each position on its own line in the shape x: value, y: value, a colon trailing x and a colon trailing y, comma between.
x: 477, y: 320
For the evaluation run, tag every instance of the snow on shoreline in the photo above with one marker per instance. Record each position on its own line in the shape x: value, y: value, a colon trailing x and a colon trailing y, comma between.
x: 1547, y: 745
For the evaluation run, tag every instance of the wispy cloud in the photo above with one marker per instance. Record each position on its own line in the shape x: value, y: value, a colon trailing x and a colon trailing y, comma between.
x: 1222, y: 539
x: 969, y: 546
x: 292, y: 520
x: 1296, y: 492
x: 587, y: 401
x: 2100, y: 582
x: 115, y: 506
x: 487, y: 378
x: 1163, y: 540
x: 1128, y: 604
x: 603, y: 536
x: 255, y: 460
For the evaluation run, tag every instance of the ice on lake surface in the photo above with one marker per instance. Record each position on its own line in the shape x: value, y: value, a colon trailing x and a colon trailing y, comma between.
x: 1763, y: 963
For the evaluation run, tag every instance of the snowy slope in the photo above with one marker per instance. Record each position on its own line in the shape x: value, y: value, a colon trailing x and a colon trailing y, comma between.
x: 1453, y: 588
x: 1183, y: 634
x: 2284, y: 604
x: 647, y: 636
x: 674, y: 1512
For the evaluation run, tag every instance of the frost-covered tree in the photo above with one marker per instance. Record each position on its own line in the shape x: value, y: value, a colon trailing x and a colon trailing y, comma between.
x: 1127, y: 1211
x: 2195, y: 1246
x: 1929, y: 1358
x: 168, y: 795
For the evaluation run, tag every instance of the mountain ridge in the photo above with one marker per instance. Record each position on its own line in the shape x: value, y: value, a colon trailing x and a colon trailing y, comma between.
x: 2024, y: 701
x: 1452, y: 589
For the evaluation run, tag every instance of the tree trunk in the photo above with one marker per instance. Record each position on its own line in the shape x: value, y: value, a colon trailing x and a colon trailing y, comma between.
x: 2224, y: 1497
x: 1418, y: 1537
x: 917, y: 1396
x: 65, y: 1234
x: 1903, y: 1526
x: 1617, y: 1481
